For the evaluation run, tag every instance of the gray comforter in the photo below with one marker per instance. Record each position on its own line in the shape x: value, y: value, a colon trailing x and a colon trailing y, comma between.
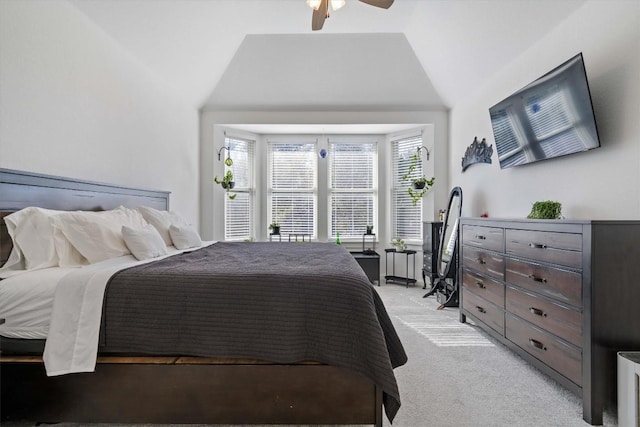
x: 281, y: 302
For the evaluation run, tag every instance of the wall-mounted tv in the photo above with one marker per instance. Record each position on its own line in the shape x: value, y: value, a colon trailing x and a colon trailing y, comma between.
x: 551, y: 117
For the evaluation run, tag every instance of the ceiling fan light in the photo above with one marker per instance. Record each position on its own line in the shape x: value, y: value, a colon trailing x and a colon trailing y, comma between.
x: 314, y: 4
x: 337, y: 4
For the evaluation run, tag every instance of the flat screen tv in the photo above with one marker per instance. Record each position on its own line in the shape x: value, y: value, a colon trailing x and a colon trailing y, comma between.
x: 551, y: 117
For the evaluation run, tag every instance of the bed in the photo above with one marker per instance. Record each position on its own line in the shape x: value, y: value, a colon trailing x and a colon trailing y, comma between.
x: 146, y: 371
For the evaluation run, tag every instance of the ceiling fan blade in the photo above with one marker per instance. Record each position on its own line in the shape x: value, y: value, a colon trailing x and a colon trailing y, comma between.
x: 385, y: 4
x: 317, y: 20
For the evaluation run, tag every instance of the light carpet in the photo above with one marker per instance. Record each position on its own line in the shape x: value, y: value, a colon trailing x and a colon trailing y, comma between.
x: 459, y: 376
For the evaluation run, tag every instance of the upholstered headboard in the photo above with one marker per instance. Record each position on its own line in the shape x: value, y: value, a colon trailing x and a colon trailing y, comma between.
x: 19, y: 189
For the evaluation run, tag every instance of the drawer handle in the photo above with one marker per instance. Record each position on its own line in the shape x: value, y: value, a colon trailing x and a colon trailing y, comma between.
x: 480, y: 237
x: 537, y: 245
x: 537, y: 279
x: 498, y: 273
x: 537, y: 344
x: 480, y: 285
x: 481, y: 261
x: 537, y: 312
x: 480, y: 309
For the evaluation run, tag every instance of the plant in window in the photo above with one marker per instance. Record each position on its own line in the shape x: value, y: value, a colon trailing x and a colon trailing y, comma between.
x: 227, y: 183
x: 274, y: 227
x: 418, y: 186
x: 278, y: 219
x: 227, y: 180
x: 399, y: 244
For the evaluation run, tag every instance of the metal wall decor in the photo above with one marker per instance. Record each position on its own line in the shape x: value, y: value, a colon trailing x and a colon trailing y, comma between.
x: 220, y: 151
x: 477, y: 152
x: 425, y: 149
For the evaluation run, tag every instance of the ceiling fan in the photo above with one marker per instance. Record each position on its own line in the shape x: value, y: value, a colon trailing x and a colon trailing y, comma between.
x: 321, y: 9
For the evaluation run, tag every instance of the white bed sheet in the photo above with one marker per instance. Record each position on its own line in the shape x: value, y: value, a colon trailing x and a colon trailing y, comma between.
x: 26, y: 301
x: 72, y: 342
x: 63, y: 306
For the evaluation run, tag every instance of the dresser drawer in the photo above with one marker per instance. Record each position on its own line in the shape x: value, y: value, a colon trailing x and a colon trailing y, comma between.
x: 488, y: 313
x: 489, y: 289
x: 558, y: 248
x: 562, y: 357
x: 485, y: 262
x: 555, y: 318
x: 491, y: 238
x: 562, y: 285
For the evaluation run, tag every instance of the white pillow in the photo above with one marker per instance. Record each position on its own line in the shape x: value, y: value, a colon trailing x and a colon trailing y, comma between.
x: 184, y: 237
x: 177, y: 219
x: 34, y: 237
x: 98, y: 235
x: 68, y: 255
x: 16, y: 258
x: 35, y: 243
x: 162, y: 220
x: 145, y: 242
x: 158, y: 219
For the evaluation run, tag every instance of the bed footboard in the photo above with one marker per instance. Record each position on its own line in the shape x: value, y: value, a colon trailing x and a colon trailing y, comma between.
x: 182, y: 390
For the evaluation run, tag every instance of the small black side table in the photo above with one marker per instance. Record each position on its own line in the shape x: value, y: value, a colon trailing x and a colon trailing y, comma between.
x: 370, y: 263
x: 272, y: 235
x: 392, y: 278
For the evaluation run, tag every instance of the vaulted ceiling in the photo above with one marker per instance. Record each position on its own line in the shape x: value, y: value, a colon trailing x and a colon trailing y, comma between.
x: 262, y: 54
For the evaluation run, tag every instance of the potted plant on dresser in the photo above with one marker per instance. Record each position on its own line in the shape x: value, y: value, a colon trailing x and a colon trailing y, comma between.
x: 546, y: 210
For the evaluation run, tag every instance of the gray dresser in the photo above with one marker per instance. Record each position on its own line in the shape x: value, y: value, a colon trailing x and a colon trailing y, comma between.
x: 562, y: 294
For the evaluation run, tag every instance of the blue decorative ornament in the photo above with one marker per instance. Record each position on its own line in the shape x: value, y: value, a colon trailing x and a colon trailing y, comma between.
x: 322, y: 153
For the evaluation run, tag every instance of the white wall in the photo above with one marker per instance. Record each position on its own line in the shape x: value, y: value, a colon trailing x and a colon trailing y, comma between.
x: 74, y: 103
x: 599, y: 184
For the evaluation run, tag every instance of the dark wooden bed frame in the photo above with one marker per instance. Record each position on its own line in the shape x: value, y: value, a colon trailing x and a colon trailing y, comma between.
x: 162, y: 390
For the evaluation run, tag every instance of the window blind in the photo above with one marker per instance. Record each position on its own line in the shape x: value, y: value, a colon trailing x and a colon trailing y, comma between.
x: 553, y: 123
x: 239, y: 213
x: 504, y: 130
x: 406, y: 219
x: 352, y: 188
x: 548, y: 113
x: 292, y: 187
